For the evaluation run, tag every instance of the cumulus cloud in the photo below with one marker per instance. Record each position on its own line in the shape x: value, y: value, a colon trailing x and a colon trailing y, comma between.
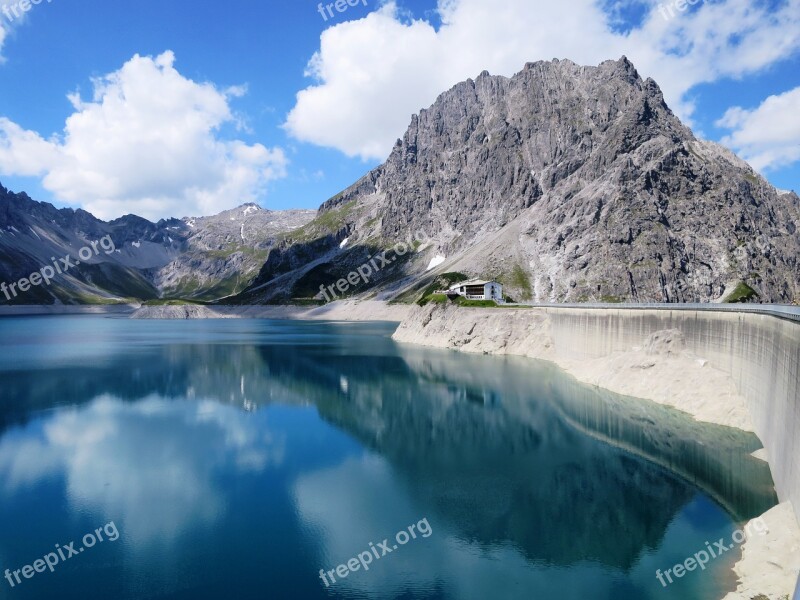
x: 148, y: 142
x: 372, y: 74
x: 24, y: 152
x: 767, y: 137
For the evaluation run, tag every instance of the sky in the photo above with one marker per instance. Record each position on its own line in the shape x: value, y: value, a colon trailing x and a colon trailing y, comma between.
x: 173, y: 108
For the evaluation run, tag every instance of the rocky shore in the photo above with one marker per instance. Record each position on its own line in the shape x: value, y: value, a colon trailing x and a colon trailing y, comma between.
x: 771, y: 561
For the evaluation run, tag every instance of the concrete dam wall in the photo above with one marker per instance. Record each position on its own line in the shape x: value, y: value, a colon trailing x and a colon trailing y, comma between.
x: 758, y: 354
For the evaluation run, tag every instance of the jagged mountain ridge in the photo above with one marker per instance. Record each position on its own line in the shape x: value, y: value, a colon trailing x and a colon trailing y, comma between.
x: 200, y: 258
x: 567, y: 183
x: 223, y: 253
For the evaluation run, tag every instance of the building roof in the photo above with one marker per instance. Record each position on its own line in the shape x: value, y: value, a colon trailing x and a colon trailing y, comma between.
x: 469, y: 282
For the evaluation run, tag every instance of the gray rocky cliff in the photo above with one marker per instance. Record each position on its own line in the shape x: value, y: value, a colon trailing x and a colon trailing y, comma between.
x: 572, y: 183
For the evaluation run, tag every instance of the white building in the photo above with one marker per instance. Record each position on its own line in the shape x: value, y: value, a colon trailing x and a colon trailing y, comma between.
x: 476, y: 289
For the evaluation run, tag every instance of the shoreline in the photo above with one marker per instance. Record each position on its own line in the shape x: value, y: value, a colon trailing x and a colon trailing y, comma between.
x: 758, y: 574
x: 41, y: 310
x: 341, y: 310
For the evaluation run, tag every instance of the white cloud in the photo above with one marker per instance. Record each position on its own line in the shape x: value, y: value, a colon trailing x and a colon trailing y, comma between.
x: 24, y: 152
x: 148, y: 143
x: 362, y: 66
x: 372, y: 74
x: 3, y: 35
x: 767, y: 137
x: 6, y: 25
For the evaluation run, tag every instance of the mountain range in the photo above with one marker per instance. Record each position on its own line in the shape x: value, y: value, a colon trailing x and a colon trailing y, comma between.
x: 566, y: 183
x: 195, y: 258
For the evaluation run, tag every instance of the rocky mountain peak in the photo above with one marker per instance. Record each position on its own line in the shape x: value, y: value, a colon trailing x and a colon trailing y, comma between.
x: 569, y: 183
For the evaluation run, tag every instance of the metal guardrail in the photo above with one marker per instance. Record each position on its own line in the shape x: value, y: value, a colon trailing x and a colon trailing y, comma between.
x: 782, y: 311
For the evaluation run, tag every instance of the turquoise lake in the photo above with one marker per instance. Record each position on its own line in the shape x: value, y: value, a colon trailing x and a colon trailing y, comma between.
x: 238, y: 458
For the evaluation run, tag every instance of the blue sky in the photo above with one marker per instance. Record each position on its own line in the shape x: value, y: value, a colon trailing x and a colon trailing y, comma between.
x: 208, y: 116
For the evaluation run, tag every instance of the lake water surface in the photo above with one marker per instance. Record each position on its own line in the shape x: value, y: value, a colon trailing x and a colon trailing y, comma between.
x: 237, y: 458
